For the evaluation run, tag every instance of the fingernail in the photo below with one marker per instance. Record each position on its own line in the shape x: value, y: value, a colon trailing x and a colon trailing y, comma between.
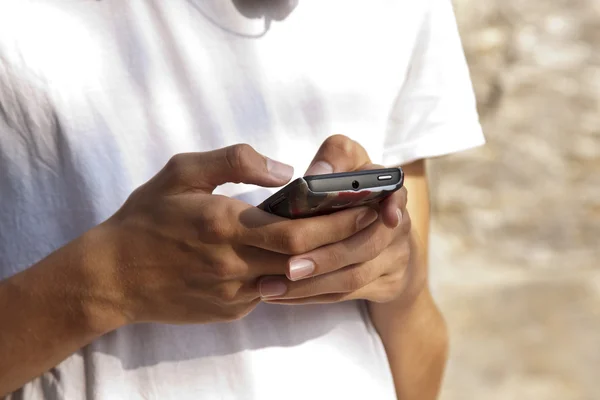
x: 399, y: 213
x: 269, y: 287
x: 320, y: 168
x: 366, y: 218
x: 301, y: 268
x: 280, y: 170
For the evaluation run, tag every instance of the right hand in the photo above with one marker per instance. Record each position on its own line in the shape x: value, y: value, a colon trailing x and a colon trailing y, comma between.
x: 179, y: 254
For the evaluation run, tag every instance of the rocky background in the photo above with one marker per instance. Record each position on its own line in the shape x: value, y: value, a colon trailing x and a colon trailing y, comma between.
x: 516, y: 230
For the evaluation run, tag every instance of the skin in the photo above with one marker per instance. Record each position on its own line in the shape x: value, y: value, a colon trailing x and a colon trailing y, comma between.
x: 412, y: 328
x: 401, y: 307
x: 202, y: 258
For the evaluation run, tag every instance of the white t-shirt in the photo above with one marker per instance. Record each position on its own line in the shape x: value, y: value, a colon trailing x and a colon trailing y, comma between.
x: 95, y: 97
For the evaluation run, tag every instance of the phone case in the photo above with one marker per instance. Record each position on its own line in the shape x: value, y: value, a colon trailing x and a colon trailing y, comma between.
x: 298, y: 201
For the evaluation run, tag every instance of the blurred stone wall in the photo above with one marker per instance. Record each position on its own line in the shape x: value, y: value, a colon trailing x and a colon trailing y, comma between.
x: 516, y: 230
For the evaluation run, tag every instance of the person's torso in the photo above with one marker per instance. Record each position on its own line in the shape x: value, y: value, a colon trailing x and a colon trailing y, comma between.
x: 95, y: 97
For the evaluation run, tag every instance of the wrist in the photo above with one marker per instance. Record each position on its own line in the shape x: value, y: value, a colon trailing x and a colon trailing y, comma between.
x: 52, y: 309
x: 420, y: 315
x: 416, y: 343
x: 101, y: 296
x: 424, y: 312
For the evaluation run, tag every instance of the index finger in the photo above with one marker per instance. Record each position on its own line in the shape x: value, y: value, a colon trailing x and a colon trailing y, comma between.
x: 286, y: 236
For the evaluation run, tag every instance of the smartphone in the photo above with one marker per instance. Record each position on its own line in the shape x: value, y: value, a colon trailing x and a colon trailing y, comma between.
x: 323, y: 194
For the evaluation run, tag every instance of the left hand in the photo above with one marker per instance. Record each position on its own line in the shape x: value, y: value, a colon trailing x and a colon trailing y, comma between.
x: 374, y: 264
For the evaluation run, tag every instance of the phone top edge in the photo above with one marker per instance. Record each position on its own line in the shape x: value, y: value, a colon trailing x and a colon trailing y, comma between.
x: 364, y: 180
x: 354, y: 173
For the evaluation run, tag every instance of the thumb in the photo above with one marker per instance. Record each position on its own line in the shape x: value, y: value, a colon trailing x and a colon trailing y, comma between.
x: 338, y: 153
x: 239, y: 163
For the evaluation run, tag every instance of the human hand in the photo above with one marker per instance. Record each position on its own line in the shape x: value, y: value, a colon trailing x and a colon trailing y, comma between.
x: 176, y: 253
x: 373, y: 264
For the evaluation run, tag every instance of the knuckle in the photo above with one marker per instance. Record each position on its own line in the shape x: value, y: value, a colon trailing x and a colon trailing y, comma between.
x: 335, y: 258
x: 225, y: 269
x: 137, y: 192
x: 218, y: 232
x: 341, y: 144
x: 395, y: 283
x: 294, y: 242
x: 215, y: 224
x: 373, y: 246
x: 138, y: 196
x: 356, y: 278
x: 227, y: 292
x: 384, y: 295
x: 389, y: 288
x: 310, y: 286
x: 400, y: 252
x: 176, y: 165
x: 238, y: 156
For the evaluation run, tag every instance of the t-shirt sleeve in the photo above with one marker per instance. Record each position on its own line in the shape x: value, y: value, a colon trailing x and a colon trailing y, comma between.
x: 435, y: 113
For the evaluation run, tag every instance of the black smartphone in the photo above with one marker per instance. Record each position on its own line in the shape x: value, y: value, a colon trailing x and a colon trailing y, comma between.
x: 323, y: 194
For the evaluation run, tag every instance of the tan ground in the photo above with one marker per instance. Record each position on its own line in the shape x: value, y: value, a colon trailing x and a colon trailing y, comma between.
x: 516, y: 244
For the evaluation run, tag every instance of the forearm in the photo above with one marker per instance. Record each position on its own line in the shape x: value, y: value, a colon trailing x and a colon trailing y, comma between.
x: 412, y: 329
x: 51, y: 310
x: 416, y: 344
